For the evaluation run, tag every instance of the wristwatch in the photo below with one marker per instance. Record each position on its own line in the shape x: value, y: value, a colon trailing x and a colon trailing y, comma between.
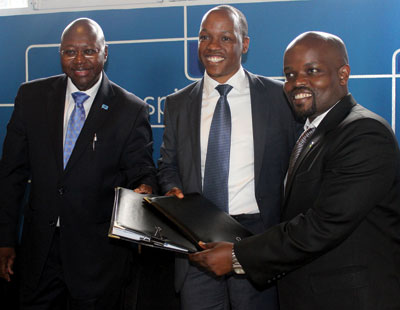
x: 237, y: 267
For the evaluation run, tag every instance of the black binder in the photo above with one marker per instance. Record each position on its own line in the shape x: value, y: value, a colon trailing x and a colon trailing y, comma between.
x: 171, y: 223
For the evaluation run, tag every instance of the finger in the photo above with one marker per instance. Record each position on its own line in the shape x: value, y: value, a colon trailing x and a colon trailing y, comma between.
x: 209, y: 245
x: 175, y: 192
x: 179, y: 194
x: 4, y: 274
x: 10, y: 264
x: 202, y: 245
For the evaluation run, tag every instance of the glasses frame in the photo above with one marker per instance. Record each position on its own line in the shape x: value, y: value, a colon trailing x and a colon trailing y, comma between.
x: 71, y: 53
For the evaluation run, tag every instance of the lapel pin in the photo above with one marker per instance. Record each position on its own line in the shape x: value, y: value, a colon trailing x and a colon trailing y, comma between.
x: 105, y: 107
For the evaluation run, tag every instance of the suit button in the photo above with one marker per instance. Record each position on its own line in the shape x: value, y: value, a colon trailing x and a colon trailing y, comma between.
x: 269, y: 281
x: 61, y: 191
x: 52, y: 223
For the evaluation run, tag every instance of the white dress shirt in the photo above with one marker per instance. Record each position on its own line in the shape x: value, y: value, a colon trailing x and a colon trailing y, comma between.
x: 70, y: 102
x: 241, y: 166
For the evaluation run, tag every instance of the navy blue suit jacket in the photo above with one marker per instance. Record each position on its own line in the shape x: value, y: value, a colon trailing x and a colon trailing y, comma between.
x: 274, y: 134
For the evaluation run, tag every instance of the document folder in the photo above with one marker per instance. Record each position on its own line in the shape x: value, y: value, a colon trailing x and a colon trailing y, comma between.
x: 135, y: 220
x: 198, y: 219
x: 171, y: 223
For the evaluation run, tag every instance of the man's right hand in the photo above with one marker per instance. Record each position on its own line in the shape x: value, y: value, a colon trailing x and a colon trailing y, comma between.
x: 175, y: 191
x: 7, y: 257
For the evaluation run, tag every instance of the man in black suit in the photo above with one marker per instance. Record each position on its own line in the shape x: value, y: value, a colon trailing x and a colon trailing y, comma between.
x: 65, y: 250
x: 263, y: 132
x: 338, y: 245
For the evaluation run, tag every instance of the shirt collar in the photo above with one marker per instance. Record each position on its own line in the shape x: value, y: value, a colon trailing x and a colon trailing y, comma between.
x: 91, y: 92
x: 238, y: 81
x: 315, y: 123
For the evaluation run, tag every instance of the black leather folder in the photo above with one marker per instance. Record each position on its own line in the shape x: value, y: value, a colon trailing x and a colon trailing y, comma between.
x: 198, y: 219
x: 135, y: 220
x: 171, y: 223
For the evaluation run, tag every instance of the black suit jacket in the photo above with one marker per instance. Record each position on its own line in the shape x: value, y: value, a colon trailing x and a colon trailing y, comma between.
x: 274, y: 134
x: 82, y: 194
x: 338, y: 246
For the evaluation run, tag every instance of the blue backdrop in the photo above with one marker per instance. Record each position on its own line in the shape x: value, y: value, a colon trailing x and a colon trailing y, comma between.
x: 153, y: 51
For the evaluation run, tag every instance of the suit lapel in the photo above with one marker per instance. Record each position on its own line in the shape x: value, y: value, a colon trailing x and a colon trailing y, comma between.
x: 312, y: 144
x: 55, y: 113
x: 259, y: 112
x: 330, y: 122
x: 102, y: 106
x: 194, y: 112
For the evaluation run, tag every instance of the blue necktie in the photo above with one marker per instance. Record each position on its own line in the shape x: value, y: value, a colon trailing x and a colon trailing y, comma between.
x: 75, y: 124
x: 216, y: 172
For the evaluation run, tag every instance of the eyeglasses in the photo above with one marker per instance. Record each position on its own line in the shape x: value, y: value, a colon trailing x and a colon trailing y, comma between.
x: 87, y: 53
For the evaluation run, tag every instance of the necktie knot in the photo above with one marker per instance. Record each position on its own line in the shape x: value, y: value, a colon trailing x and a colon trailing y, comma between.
x: 224, y: 89
x: 300, y: 144
x: 79, y: 98
x: 75, y: 124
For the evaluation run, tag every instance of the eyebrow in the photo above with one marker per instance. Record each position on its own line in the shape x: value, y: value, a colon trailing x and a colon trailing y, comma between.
x: 305, y: 65
x: 224, y: 31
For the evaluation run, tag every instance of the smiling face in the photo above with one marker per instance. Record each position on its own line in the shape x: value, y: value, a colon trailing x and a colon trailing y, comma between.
x: 316, y: 76
x: 221, y: 44
x: 83, y: 53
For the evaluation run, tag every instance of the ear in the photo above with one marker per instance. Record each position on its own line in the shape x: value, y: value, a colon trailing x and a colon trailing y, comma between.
x: 105, y: 53
x: 344, y: 74
x: 246, y: 42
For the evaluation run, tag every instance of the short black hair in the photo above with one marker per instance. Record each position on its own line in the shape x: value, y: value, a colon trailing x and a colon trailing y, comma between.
x: 243, y: 26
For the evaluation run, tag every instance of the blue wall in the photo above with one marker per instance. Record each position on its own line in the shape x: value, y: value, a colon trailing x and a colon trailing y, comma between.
x: 153, y: 69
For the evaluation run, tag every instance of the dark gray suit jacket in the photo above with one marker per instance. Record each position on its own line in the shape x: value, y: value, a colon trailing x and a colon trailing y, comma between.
x: 274, y: 134
x: 82, y: 194
x: 338, y: 246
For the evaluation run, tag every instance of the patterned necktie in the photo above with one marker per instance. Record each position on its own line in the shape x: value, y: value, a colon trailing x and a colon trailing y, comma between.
x: 216, y: 170
x: 75, y: 124
x: 298, y: 148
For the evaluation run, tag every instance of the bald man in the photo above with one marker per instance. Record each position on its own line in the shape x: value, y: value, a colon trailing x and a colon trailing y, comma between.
x: 338, y: 246
x: 76, y: 136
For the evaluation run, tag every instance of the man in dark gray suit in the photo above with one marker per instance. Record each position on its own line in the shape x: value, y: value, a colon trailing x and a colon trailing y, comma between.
x: 263, y: 132
x: 66, y: 255
x: 338, y: 246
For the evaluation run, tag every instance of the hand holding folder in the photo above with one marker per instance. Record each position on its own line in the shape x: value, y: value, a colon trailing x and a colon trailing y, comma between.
x: 171, y: 223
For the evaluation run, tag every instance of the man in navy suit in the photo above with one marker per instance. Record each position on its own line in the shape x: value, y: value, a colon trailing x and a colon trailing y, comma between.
x: 66, y: 256
x: 338, y: 245
x: 263, y: 132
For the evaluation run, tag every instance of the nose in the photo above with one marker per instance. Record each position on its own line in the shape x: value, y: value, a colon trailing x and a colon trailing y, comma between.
x: 214, y: 44
x: 80, y: 57
x: 301, y: 80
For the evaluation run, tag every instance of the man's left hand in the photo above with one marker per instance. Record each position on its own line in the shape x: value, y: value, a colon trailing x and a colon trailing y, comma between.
x: 144, y: 189
x: 216, y: 257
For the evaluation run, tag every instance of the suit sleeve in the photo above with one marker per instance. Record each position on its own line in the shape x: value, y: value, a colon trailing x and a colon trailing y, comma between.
x: 14, y: 174
x: 358, y: 172
x: 168, y: 171
x: 136, y: 165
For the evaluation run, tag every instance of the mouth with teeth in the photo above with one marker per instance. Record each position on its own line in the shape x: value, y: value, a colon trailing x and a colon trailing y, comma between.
x: 81, y: 72
x: 302, y: 96
x: 214, y: 59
